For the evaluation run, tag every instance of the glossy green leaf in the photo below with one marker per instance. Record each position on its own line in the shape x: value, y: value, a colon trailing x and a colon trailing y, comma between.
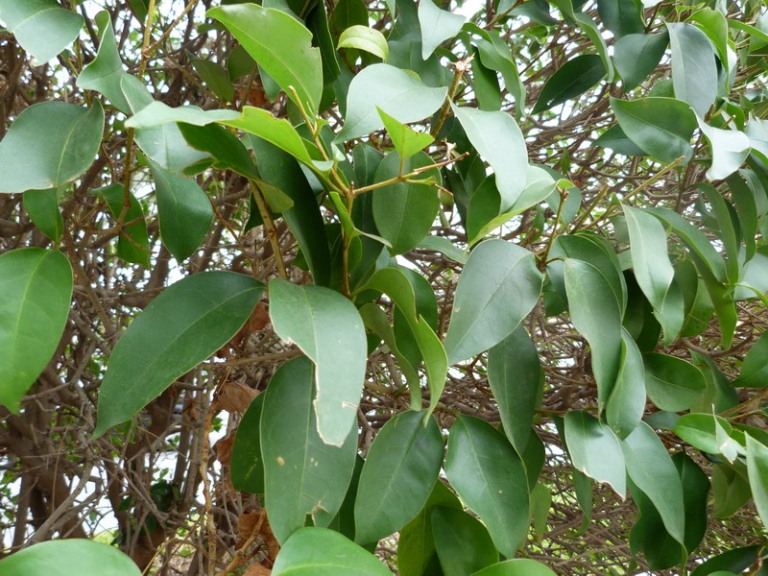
x: 637, y: 55
x: 591, y: 31
x: 499, y: 141
x: 37, y: 288
x: 516, y: 567
x: 672, y: 383
x: 49, y: 145
x: 754, y: 370
x: 650, y: 537
x: 281, y: 45
x: 247, y: 466
x: 757, y: 468
x: 695, y: 495
x: 366, y: 39
x: 157, y: 114
x: 498, y: 287
x: 733, y: 561
x: 462, y: 543
x: 694, y: 72
x: 42, y: 27
x: 226, y: 149
x: 571, y: 80
x: 651, y: 469
x: 405, y: 211
x: 42, y: 206
x: 485, y: 83
x: 81, y: 557
x: 715, y: 25
x: 180, y: 328
x: 729, y: 150
x: 516, y: 379
x: 496, y: 54
x: 405, y: 139
x: 700, y: 431
x: 595, y: 313
x: 328, y: 329
x: 726, y: 228
x: 402, y: 466
x: 392, y: 90
x: 303, y: 475
x: 621, y: 17
x: 490, y: 478
x: 133, y: 241
x: 184, y: 211
x: 595, y: 450
x: 626, y: 404
x: 436, y: 26
x: 323, y: 552
x: 662, y: 127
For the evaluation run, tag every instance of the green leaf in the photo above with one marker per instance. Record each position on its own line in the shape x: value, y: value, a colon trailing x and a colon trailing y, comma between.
x: 303, y: 475
x: 757, y: 468
x: 490, y: 478
x: 247, y: 466
x: 715, y: 25
x: 695, y: 494
x: 694, y: 71
x: 281, y: 45
x: 662, y: 127
x: 365, y: 38
x: 516, y: 379
x: 445, y: 247
x: 650, y: 537
x: 405, y: 139
x: 700, y: 431
x: 621, y: 17
x: 405, y: 211
x: 226, y: 149
x: 653, y: 270
x: 570, y: 80
x: 615, y: 139
x: 499, y: 141
x: 732, y: 561
x: 156, y: 114
x: 327, y: 328
x: 396, y: 92
x: 402, y: 467
x: 323, y: 552
x: 436, y: 26
x: 595, y: 450
x: 672, y: 383
x: 462, y: 543
x: 637, y: 55
x: 42, y: 206
x: 41, y: 27
x: 216, y: 78
x: 184, y: 211
x: 754, y: 370
x: 651, y: 469
x: 516, y: 567
x: 36, y: 285
x: 81, y: 557
x: 133, y: 242
x: 729, y: 150
x: 180, y: 328
x: 496, y: 54
x: 49, y: 145
x: 498, y: 287
x: 626, y: 404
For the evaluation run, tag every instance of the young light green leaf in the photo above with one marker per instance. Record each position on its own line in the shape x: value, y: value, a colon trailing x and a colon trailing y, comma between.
x: 672, y: 383
x: 500, y: 142
x: 184, y: 211
x: 729, y: 150
x: 180, y: 328
x: 757, y: 468
x: 49, y: 145
x: 281, y: 45
x: 328, y: 329
x: 324, y: 552
x: 36, y: 285
x: 626, y: 404
x: 694, y: 71
x: 516, y: 567
x: 571, y: 80
x: 82, y: 557
x: 303, y: 476
x: 498, y: 287
x: 462, y: 543
x: 436, y: 26
x: 42, y: 27
x: 405, y: 139
x: 662, y: 127
x: 651, y: 469
x: 490, y: 478
x: 402, y: 467
x: 42, y: 206
x: 365, y: 38
x: 391, y: 89
x: 516, y: 380
x: 595, y: 450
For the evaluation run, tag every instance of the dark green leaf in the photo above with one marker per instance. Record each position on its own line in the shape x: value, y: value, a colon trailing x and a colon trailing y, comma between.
x: 462, y: 543
x: 672, y: 383
x: 637, y: 55
x: 736, y: 561
x: 626, y: 404
x: 133, y: 241
x: 754, y: 370
x: 42, y: 206
x: 695, y: 491
x: 571, y: 80
x: 81, y: 557
x: 516, y: 567
x: 621, y: 17
x: 247, y: 466
x: 757, y: 468
x: 216, y: 77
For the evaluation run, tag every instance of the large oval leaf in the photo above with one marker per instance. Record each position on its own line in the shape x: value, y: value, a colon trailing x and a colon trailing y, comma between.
x: 36, y: 288
x: 595, y: 450
x: 42, y: 27
x: 516, y: 567
x: 323, y: 552
x: 694, y: 71
x: 626, y: 404
x: 436, y: 26
x: 179, y: 329
x: 672, y: 383
x: 402, y: 466
x: 281, y: 45
x: 498, y: 287
x: 490, y: 478
x: 328, y: 328
x: 572, y: 79
x: 76, y: 556
x: 462, y: 543
x: 49, y: 145
x: 303, y: 476
x: 637, y: 55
